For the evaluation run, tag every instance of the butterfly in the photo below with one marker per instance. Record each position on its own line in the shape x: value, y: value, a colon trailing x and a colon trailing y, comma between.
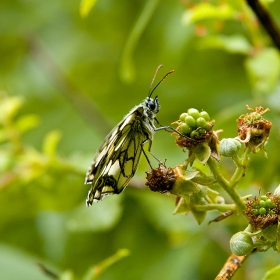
x: 117, y: 159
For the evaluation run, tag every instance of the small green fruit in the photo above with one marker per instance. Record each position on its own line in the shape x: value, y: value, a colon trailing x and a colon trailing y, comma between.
x: 183, y: 116
x: 241, y: 244
x: 194, y: 113
x: 262, y: 203
x: 185, y: 129
x: 200, y: 122
x: 229, y: 147
x: 190, y: 121
x: 194, y: 134
x: 205, y: 115
x: 262, y: 211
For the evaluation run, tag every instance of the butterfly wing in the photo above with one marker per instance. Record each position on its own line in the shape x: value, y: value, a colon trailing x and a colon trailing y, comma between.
x: 117, y: 159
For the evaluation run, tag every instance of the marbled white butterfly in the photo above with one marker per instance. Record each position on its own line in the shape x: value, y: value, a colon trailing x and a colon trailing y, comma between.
x: 117, y: 159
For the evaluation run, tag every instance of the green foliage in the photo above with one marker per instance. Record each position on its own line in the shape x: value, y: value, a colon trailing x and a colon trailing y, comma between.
x: 67, y: 76
x: 272, y: 274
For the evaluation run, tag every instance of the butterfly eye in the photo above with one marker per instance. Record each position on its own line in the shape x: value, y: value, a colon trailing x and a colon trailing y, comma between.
x: 151, y: 104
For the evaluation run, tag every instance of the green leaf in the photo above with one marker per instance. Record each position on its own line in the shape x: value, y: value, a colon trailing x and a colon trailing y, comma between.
x: 205, y: 11
x: 86, y: 6
x: 183, y: 206
x: 198, y: 199
x: 199, y: 216
x: 184, y: 187
x: 203, y: 179
x: 270, y: 233
x: 188, y: 175
x: 127, y: 70
x: 263, y: 70
x: 9, y: 107
x: 50, y: 143
x: 211, y: 195
x: 27, y: 122
x: 232, y: 44
x: 202, y: 153
x: 272, y: 274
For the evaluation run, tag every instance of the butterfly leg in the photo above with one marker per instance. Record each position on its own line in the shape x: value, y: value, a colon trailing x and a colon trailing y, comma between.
x: 149, y: 149
x: 169, y: 128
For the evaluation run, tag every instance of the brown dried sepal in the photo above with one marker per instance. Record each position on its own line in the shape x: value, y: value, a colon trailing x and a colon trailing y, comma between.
x: 161, y: 179
x: 253, y: 130
x: 190, y: 143
x: 262, y: 221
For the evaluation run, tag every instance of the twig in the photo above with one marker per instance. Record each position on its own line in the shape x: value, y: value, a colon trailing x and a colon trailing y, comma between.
x: 47, y: 272
x: 230, y: 267
x: 266, y: 20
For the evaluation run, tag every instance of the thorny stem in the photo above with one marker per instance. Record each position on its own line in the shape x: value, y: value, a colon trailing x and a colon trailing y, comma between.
x: 219, y: 207
x: 241, y: 165
x: 240, y: 205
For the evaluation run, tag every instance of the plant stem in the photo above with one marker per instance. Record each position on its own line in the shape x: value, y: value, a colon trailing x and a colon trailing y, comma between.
x: 240, y: 205
x: 240, y: 168
x: 219, y: 207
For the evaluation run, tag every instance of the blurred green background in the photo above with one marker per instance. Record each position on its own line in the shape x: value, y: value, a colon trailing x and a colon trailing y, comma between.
x: 66, y: 80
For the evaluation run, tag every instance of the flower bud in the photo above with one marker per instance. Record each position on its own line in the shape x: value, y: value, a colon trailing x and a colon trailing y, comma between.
x: 253, y: 129
x: 241, y: 244
x: 229, y: 147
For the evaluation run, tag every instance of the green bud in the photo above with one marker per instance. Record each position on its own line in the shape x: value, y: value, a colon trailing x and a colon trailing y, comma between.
x: 229, y: 147
x: 263, y: 197
x: 241, y: 244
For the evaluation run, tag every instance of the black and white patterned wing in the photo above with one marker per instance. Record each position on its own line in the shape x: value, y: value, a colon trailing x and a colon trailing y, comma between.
x: 117, y: 159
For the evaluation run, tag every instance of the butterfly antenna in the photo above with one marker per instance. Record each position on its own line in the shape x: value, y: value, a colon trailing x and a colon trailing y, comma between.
x: 152, y: 90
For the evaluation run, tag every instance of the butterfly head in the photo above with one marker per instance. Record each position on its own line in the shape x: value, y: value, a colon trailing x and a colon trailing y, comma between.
x: 152, y: 104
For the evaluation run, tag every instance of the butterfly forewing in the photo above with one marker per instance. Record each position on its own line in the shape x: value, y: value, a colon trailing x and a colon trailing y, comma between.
x: 117, y: 159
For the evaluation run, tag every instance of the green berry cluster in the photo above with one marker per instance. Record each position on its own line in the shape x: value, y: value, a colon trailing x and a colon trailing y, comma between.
x: 194, y: 123
x: 263, y: 207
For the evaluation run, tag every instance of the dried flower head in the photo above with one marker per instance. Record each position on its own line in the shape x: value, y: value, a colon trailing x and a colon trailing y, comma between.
x: 161, y: 179
x: 253, y: 129
x: 263, y: 211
